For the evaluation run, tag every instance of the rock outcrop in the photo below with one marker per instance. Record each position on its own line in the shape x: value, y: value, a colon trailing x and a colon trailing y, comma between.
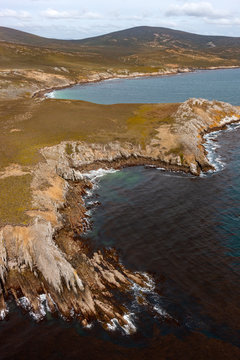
x: 47, y: 266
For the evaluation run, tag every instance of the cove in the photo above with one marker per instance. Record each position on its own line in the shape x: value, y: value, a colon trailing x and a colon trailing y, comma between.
x: 221, y: 85
x: 183, y: 229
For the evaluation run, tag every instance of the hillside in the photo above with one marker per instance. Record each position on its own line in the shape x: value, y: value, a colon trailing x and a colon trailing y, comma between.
x: 29, y: 63
x: 24, y: 38
x: 159, y: 36
x: 44, y: 257
x: 49, y: 146
x: 137, y: 36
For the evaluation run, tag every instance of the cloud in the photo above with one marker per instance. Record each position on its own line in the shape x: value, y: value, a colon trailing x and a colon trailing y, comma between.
x: 70, y: 14
x: 224, y: 21
x: 199, y: 9
x: 9, y: 13
x: 142, y: 18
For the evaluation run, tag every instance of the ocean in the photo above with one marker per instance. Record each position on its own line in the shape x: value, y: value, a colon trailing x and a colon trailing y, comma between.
x: 181, y: 229
x: 221, y: 85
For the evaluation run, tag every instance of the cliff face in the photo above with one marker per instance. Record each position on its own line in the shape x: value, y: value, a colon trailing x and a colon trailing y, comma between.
x: 193, y: 119
x: 46, y: 265
x: 43, y: 265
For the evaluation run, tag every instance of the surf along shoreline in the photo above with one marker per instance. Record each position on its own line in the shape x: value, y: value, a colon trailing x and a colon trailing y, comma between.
x: 90, y: 278
x: 99, y: 77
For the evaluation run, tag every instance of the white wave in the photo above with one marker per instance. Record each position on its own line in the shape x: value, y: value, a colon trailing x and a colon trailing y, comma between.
x: 214, y: 159
x: 152, y: 299
x: 175, y: 173
x: 233, y: 127
x: 228, y: 119
x: 92, y: 203
x: 95, y: 174
x: 211, y: 146
x: 24, y: 303
x: 88, y: 326
x: 149, y: 285
x: 113, y: 324
x: 3, y: 313
x: 111, y: 79
x: 161, y: 168
x: 129, y: 328
x: 160, y: 311
x: 43, y: 306
x: 89, y: 192
x: 50, y: 95
x: 36, y: 316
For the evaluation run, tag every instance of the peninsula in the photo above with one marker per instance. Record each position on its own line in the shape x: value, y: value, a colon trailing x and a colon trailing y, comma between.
x: 49, y: 148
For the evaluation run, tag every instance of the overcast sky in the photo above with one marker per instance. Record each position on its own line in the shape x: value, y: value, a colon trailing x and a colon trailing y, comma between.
x: 78, y: 19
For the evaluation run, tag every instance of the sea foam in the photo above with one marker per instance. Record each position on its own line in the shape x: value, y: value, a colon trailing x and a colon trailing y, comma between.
x: 211, y: 146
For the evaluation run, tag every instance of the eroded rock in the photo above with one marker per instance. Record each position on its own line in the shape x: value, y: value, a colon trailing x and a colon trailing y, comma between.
x: 47, y: 266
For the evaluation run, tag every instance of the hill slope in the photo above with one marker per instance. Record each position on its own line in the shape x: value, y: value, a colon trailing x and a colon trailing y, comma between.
x: 137, y: 36
x: 159, y: 36
x: 136, y: 51
x: 24, y: 38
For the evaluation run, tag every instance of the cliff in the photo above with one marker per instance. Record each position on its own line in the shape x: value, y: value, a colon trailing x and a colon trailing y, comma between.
x: 29, y: 63
x: 46, y: 265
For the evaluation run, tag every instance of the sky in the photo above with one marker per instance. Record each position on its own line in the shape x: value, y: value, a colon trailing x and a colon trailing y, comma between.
x: 76, y: 19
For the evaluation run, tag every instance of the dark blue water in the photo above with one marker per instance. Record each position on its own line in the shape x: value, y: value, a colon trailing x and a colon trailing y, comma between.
x: 184, y: 230
x: 218, y: 84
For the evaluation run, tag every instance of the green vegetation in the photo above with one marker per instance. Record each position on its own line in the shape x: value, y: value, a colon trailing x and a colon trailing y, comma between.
x: 30, y: 63
x: 51, y: 121
x: 179, y: 150
x: 136, y: 44
x: 141, y: 49
x: 69, y: 149
x: 15, y: 199
x: 27, y: 126
x: 149, y: 117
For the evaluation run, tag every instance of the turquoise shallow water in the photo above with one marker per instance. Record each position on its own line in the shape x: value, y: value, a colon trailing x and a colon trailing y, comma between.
x: 222, y: 85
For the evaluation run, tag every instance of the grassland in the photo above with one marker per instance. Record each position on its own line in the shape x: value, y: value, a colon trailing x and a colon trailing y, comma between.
x: 27, y: 126
x: 29, y: 63
x: 41, y: 255
x: 15, y: 199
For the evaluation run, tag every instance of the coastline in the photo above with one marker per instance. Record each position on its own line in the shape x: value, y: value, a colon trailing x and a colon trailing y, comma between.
x: 119, y: 213
x: 216, y: 130
x: 211, y: 136
x: 60, y: 217
x: 74, y: 281
x: 100, y: 77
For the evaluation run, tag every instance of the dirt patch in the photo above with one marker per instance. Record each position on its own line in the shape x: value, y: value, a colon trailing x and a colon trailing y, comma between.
x: 14, y: 170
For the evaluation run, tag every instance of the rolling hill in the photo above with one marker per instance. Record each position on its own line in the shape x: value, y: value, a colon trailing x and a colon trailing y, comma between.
x: 140, y: 50
x: 138, y: 37
x: 159, y: 36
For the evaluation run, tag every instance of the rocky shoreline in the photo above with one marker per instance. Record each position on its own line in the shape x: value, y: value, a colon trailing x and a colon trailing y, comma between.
x: 98, y: 77
x: 36, y: 83
x: 47, y: 266
x: 92, y: 279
